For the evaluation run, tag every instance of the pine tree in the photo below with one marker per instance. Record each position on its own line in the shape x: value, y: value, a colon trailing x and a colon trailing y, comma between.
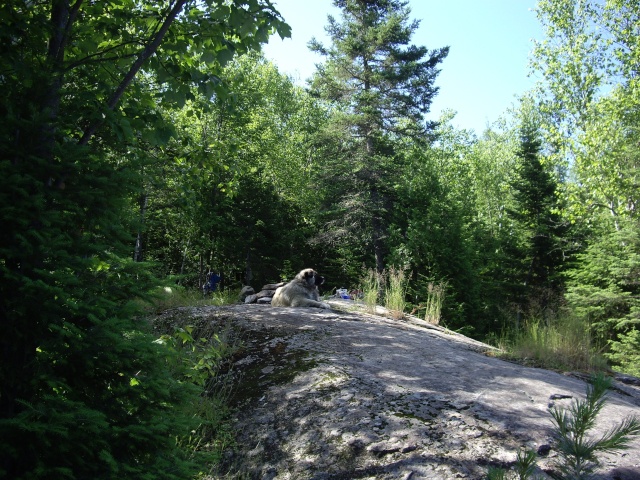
x: 380, y: 87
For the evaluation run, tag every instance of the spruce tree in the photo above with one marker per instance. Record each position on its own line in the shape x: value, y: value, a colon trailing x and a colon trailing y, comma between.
x: 536, y: 212
x: 603, y: 290
x: 380, y: 87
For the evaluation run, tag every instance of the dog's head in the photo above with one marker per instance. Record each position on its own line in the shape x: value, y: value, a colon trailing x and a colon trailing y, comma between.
x: 310, y: 277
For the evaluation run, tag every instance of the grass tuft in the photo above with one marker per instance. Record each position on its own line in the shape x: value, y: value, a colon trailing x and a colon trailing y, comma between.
x: 435, y: 299
x: 395, y: 294
x: 371, y: 284
x: 562, y: 343
x: 389, y: 286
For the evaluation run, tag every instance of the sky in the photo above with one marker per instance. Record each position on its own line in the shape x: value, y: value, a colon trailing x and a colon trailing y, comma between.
x: 487, y: 67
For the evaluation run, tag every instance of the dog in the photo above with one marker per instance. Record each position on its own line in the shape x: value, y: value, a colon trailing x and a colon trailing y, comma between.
x: 302, y: 291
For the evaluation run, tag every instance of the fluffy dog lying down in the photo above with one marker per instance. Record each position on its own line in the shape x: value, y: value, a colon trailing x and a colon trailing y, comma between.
x: 302, y: 291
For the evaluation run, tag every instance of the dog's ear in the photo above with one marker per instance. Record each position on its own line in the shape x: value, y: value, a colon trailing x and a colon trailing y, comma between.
x: 308, y: 273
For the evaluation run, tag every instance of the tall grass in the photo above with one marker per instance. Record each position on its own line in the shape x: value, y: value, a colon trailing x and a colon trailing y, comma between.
x: 388, y: 286
x: 435, y: 299
x: 371, y: 284
x: 563, y: 343
x: 395, y: 294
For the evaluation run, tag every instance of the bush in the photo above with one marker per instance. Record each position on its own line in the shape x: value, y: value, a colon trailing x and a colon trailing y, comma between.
x: 105, y: 408
x: 199, y: 354
x: 625, y: 353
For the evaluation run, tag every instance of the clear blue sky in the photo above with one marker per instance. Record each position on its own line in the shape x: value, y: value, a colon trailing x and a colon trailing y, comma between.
x: 490, y: 42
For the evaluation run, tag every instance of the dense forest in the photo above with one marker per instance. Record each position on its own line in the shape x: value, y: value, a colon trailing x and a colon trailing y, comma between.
x: 145, y: 144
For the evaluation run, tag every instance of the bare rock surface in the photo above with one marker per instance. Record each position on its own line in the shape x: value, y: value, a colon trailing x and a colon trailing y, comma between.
x: 335, y: 394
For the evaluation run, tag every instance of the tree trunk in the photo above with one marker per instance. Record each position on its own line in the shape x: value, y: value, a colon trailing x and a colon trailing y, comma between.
x: 248, y: 274
x: 378, y: 243
x: 137, y: 254
x: 184, y: 257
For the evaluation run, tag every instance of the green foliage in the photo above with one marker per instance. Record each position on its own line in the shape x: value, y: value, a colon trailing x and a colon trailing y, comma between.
x: 602, y: 287
x: 536, y: 212
x: 112, y: 136
x: 524, y: 467
x: 585, y: 101
x: 625, y: 352
x: 577, y: 451
x: 72, y: 350
x: 496, y: 473
x: 572, y: 58
x: 525, y: 464
x: 199, y: 357
x: 85, y: 88
x: 168, y: 297
x: 233, y: 191
x: 102, y: 403
x: 433, y: 232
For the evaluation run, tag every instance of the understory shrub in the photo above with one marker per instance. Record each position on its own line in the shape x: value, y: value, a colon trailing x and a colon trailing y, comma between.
x: 199, y: 354
x: 625, y: 353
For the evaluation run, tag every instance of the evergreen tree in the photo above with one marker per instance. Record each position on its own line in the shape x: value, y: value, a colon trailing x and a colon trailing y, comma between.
x: 538, y: 221
x: 603, y: 289
x: 379, y: 87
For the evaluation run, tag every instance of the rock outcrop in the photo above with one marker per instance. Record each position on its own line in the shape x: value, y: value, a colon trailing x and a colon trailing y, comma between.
x: 345, y: 395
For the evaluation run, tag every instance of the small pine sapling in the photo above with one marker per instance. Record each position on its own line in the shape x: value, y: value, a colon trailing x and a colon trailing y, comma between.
x: 577, y: 452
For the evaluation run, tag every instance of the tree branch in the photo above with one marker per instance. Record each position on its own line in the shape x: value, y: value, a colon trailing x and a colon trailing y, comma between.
x: 135, y: 68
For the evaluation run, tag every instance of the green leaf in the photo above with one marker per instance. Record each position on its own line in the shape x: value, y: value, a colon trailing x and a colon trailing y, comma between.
x: 224, y: 56
x: 208, y: 57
